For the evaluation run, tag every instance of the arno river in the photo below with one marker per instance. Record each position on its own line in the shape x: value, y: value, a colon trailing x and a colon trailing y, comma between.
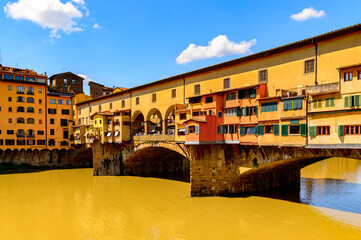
x: 72, y: 204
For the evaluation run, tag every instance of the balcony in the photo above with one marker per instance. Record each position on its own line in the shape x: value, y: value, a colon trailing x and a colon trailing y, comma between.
x: 155, y: 138
x: 181, y: 107
x: 323, y: 89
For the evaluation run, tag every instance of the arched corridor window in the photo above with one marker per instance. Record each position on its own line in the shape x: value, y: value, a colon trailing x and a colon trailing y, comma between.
x: 30, y: 121
x: 30, y: 109
x: 31, y: 133
x: 20, y: 109
x: 20, y: 89
x: 30, y: 91
x: 20, y: 120
x: 20, y: 133
x: 20, y: 99
x: 30, y: 100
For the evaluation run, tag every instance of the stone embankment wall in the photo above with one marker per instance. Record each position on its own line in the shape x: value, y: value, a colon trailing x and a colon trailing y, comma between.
x: 78, y: 157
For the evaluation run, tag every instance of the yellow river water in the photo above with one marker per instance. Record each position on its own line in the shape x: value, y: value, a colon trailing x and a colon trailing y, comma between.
x: 72, y: 204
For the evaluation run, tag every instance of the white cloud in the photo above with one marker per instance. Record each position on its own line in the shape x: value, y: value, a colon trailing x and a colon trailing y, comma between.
x: 85, y: 83
x: 218, y: 47
x: 96, y: 25
x: 51, y: 14
x: 308, y: 13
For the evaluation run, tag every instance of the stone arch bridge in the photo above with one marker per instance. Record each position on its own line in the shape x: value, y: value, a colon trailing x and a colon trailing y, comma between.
x: 213, y: 169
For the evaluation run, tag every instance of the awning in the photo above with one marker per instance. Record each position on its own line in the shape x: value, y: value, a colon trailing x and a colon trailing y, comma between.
x: 86, y: 134
x: 181, y: 130
x: 109, y: 134
x: 116, y: 134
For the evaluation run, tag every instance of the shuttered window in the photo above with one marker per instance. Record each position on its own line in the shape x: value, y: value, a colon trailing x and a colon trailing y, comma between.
x: 269, y: 107
x: 260, y: 129
x: 284, y: 130
x: 292, y: 104
x: 252, y: 93
x: 312, y: 131
x: 341, y: 130
x: 330, y: 102
x: 317, y: 103
x: 196, y: 129
x: 352, y: 101
x: 276, y: 129
x: 242, y: 131
x: 303, y: 129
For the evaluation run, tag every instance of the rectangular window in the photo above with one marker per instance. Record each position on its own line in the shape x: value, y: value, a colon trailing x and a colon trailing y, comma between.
x: 40, y: 111
x: 40, y: 121
x: 295, y: 129
x: 352, y: 101
x: 9, y: 88
x: 40, y: 142
x: 268, y: 129
x: 100, y: 108
x: 174, y: 93
x: 359, y: 74
x: 9, y: 99
x: 60, y: 101
x: 65, y: 134
x: 293, y: 104
x: 10, y: 132
x: 52, y: 132
x: 262, y: 76
x: 10, y: 109
x: 197, y: 89
x: 317, y: 103
x: 243, y: 94
x: 231, y: 96
x: 19, y: 78
x: 269, y: 107
x: 154, y: 97
x: 330, y: 102
x: 8, y: 77
x: 10, y: 120
x: 20, y: 142
x: 67, y: 102
x: 309, y: 66
x: 123, y: 103
x: 9, y: 142
x: 219, y: 114
x: 137, y: 101
x: 226, y: 83
x: 51, y: 111
x: 65, y: 83
x: 63, y: 122
x: 40, y: 101
x: 30, y: 79
x: 231, y: 112
x: 323, y: 130
x: 209, y: 99
x: 65, y: 111
x: 52, y: 101
x: 182, y: 116
x: 250, y: 130
x: 40, y: 132
x: 52, y: 121
x: 220, y: 130
x: 352, y: 129
x: 40, y: 90
x: 110, y: 105
x: 252, y: 93
x: 73, y: 82
x: 348, y: 76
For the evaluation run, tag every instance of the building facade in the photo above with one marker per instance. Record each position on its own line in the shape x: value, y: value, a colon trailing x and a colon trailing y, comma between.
x: 67, y: 81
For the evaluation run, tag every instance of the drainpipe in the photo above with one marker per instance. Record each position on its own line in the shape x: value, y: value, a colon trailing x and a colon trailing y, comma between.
x: 130, y: 116
x: 316, y: 53
x: 184, y: 89
x: 46, y: 116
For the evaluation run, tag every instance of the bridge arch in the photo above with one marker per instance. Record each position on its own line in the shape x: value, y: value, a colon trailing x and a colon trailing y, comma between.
x: 154, y: 121
x: 138, y: 123
x: 169, y: 120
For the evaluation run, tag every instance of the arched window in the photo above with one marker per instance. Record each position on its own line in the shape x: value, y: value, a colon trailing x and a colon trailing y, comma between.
x: 20, y: 109
x: 51, y: 142
x: 20, y: 89
x: 30, y: 121
x: 30, y: 100
x: 30, y: 90
x: 20, y: 133
x: 31, y: 133
x: 20, y: 120
x: 20, y: 99
x: 30, y: 109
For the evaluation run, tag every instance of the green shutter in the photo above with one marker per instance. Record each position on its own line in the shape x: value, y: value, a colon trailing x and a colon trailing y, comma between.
x: 239, y: 94
x: 238, y: 112
x: 284, y: 130
x: 357, y: 100
x: 260, y: 130
x: 256, y: 130
x: 242, y: 131
x: 285, y: 105
x: 341, y: 130
x: 347, y: 101
x: 252, y: 93
x: 300, y: 102
x: 319, y: 103
x: 332, y: 104
x: 314, y: 104
x: 328, y: 102
x: 276, y: 129
x: 186, y: 130
x: 312, y: 131
x: 303, y: 129
x: 256, y: 110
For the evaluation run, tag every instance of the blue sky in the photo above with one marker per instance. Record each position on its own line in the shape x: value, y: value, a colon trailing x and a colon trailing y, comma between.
x: 128, y: 43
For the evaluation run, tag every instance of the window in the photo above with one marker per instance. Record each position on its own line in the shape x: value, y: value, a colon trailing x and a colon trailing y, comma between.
x: 137, y: 101
x: 64, y: 111
x: 251, y: 130
x: 41, y: 142
x: 330, y: 102
x: 20, y: 109
x: 268, y: 129
x: 30, y: 100
x: 30, y: 142
x: 30, y: 90
x: 73, y: 82
x: 19, y: 78
x: 230, y: 129
x: 262, y: 76
x: 231, y: 112
x: 40, y: 121
x: 8, y: 77
x: 20, y: 99
x: 243, y: 94
x: 231, y: 96
x: 123, y: 103
x: 9, y: 99
x: 10, y: 132
x: 309, y: 66
x: 65, y: 83
x: 199, y: 113
x: 67, y: 102
x: 52, y: 121
x: 352, y: 101
x: 52, y: 101
x: 209, y: 99
x: 10, y: 109
x: 20, y: 133
x: 220, y: 130
x: 40, y: 101
x: 30, y: 79
x: 20, y: 89
x: 295, y: 129
x: 10, y: 88
x: 110, y: 105
x: 20, y: 120
x: 30, y: 110
x: 30, y: 121
x: 219, y: 114
x: 52, y: 131
x: 30, y: 133
x: 63, y: 122
x: 40, y: 111
x: 9, y: 142
x: 293, y: 104
x: 20, y: 142
x: 100, y: 108
x: 317, y: 103
x: 174, y: 93
x: 348, y: 76
x: 359, y: 74
x: 51, y: 142
x: 10, y: 120
x: 252, y: 93
x: 65, y: 134
x: 197, y: 89
x: 51, y: 111
x: 226, y: 83
x: 352, y: 129
x: 323, y: 130
x: 40, y: 90
x: 210, y: 112
x: 60, y: 101
x: 269, y: 107
x: 154, y: 98
x: 182, y: 116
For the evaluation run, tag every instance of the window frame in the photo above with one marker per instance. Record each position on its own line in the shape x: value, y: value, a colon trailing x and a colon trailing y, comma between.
x: 226, y: 83
x: 197, y: 89
x: 263, y: 76
x: 307, y: 68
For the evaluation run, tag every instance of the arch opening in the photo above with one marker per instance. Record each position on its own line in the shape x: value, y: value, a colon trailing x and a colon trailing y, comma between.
x: 169, y: 121
x: 154, y: 122
x: 138, y: 123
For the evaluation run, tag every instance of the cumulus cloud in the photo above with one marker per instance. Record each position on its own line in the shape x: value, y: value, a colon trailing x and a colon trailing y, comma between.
x: 308, y: 13
x: 51, y: 14
x: 220, y: 46
x: 96, y: 25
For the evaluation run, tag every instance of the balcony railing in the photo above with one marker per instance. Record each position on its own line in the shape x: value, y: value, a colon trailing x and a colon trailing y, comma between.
x: 323, y: 88
x: 180, y: 107
x: 155, y: 138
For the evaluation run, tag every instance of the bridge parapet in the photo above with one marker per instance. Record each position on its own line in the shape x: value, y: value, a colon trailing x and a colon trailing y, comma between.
x: 154, y: 138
